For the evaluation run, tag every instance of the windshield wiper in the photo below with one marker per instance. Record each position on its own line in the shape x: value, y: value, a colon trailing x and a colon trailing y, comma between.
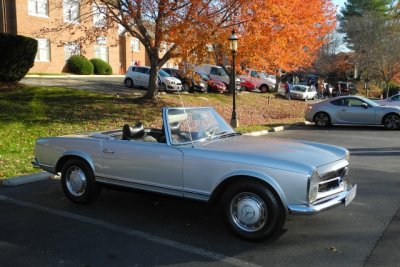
x: 226, y: 134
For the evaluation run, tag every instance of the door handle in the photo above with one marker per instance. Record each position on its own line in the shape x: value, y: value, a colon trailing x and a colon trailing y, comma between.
x: 106, y: 150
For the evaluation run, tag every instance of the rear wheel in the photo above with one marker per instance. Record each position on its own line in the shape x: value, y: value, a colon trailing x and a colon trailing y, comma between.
x: 78, y: 182
x: 252, y: 212
x: 322, y: 119
x: 392, y: 121
x: 128, y: 82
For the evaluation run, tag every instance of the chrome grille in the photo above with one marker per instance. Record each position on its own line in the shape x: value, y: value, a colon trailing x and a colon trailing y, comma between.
x: 331, y: 182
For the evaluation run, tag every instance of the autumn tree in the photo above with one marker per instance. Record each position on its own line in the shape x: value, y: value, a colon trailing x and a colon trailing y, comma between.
x: 285, y: 35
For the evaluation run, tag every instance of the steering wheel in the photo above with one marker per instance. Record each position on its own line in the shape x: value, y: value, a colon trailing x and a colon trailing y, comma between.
x: 211, y: 131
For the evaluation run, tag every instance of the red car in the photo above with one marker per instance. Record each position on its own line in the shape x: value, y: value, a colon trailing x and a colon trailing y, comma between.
x: 213, y: 85
x: 247, y: 85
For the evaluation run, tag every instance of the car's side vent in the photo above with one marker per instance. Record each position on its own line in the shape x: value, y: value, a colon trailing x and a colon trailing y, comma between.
x: 331, y: 182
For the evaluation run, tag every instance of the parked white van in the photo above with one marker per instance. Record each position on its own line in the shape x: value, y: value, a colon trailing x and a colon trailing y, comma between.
x: 214, y: 72
x: 139, y: 76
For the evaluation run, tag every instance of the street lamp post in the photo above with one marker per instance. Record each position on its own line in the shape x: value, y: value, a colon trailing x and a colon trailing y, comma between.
x: 233, y: 39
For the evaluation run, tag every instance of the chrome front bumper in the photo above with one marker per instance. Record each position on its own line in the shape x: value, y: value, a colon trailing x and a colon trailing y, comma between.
x: 343, y: 198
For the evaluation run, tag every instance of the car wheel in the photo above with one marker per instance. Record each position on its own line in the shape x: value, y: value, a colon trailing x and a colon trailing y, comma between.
x: 186, y: 87
x: 163, y: 88
x: 322, y: 119
x: 78, y: 182
x: 252, y: 212
x: 128, y: 82
x: 392, y: 121
x: 263, y: 88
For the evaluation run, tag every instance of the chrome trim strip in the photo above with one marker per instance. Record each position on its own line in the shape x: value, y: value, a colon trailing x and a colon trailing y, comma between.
x: 154, y: 188
x: 323, y: 205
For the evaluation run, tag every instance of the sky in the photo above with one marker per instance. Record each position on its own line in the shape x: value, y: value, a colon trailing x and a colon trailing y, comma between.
x: 339, y: 3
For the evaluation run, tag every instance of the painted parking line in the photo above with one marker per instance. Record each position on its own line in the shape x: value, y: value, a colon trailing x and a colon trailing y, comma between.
x: 135, y: 233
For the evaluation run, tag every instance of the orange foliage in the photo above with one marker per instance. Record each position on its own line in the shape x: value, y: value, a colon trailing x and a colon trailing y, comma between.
x: 285, y: 34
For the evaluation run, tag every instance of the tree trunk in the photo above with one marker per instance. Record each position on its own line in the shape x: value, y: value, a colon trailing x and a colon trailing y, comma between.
x: 152, y: 88
x: 387, y: 89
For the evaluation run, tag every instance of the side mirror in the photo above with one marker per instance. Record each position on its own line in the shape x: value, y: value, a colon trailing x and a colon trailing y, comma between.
x: 364, y: 105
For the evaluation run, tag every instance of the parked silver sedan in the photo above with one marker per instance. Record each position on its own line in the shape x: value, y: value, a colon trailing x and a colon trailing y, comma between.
x: 197, y: 155
x: 353, y: 110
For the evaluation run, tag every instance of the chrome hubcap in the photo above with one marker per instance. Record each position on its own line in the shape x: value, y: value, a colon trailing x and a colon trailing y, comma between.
x: 248, y: 212
x: 76, y: 181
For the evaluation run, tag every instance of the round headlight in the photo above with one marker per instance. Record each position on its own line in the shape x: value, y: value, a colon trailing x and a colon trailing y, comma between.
x: 313, y: 182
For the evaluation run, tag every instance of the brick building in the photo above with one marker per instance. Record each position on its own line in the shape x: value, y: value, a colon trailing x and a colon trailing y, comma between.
x: 28, y: 17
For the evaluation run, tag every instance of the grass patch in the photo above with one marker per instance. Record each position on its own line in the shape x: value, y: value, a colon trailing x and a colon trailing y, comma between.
x: 27, y: 113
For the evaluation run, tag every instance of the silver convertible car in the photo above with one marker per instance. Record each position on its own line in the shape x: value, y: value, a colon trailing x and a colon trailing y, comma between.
x: 353, y: 110
x: 197, y: 155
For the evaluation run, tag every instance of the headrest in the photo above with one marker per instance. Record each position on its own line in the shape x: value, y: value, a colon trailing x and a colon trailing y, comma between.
x: 132, y: 132
x: 175, y: 127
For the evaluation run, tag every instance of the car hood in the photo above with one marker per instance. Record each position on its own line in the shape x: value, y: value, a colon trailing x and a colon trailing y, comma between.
x: 171, y: 79
x: 297, y: 156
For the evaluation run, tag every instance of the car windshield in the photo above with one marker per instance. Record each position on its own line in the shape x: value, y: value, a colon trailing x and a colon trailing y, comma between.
x: 262, y: 75
x: 299, y: 88
x: 203, y: 76
x: 163, y: 73
x: 187, y: 125
x: 222, y: 72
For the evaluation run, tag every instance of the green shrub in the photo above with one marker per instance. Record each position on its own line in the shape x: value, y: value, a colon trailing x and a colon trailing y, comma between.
x: 17, y: 56
x: 101, y: 67
x: 80, y: 65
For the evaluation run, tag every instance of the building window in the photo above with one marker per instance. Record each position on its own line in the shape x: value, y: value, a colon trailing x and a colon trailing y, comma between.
x: 71, y: 49
x: 135, y: 45
x: 43, y: 52
x: 99, y: 15
x: 71, y: 11
x: 38, y: 8
x: 101, y: 51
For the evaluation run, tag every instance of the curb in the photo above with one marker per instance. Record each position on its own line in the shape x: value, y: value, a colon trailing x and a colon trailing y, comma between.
x: 277, y: 128
x: 24, y: 179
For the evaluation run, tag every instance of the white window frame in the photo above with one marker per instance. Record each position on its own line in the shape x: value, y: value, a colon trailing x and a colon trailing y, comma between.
x: 102, y: 52
x: 38, y: 8
x: 135, y: 44
x: 71, y: 49
x: 71, y: 11
x: 43, y: 51
x: 99, y: 15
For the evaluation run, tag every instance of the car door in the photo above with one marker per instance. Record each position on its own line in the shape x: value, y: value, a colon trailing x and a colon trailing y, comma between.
x: 144, y: 165
x: 356, y: 111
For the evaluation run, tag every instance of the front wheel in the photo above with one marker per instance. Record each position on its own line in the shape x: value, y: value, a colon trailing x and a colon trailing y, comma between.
x: 263, y: 88
x: 392, y: 122
x: 252, y: 212
x: 78, y: 182
x: 322, y: 119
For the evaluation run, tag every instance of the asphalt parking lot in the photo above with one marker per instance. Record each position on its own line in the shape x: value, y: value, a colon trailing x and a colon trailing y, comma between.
x: 40, y: 227
x: 102, y: 84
